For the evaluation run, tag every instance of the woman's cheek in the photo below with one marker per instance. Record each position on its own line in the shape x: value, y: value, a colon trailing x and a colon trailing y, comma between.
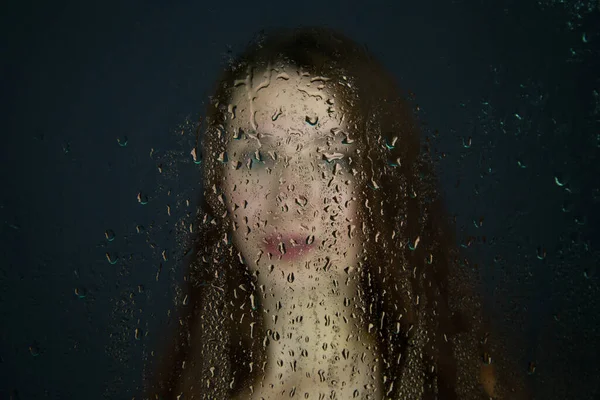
x: 244, y: 209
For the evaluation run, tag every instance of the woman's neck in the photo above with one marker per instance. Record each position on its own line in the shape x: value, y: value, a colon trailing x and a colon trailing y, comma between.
x: 317, y: 341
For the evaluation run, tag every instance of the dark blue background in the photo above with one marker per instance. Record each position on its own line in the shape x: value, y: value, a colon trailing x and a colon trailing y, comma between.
x: 75, y: 78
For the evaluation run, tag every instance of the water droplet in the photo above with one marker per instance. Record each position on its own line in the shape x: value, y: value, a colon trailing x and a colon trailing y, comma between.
x: 487, y: 358
x: 312, y: 120
x: 195, y: 156
x: 290, y: 277
x: 345, y: 353
x: 412, y: 246
x: 541, y: 253
x: 110, y: 235
x: 567, y: 206
x: 281, y: 248
x: 223, y: 157
x: 142, y: 198
x: 138, y: 333
x: 80, y: 292
x: 301, y: 201
x: 347, y: 139
x: 467, y: 143
x: 111, y: 258
x: 237, y: 134
x: 559, y: 181
x: 332, y: 156
x: 123, y: 141
x: 140, y: 229
x: 395, y: 163
x: 321, y: 375
x: 531, y: 368
x: 390, y: 144
x: 34, y: 350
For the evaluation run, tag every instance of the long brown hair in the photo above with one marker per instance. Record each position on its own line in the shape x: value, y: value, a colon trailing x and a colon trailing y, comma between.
x: 411, y: 264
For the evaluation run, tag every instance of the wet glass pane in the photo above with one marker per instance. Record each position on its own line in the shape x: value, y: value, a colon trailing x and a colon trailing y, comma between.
x: 310, y: 200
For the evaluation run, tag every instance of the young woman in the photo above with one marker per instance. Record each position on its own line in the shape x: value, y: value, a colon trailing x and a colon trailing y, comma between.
x: 324, y: 267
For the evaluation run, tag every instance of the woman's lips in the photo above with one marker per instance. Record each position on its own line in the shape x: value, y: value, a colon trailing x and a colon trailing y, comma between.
x: 291, y: 251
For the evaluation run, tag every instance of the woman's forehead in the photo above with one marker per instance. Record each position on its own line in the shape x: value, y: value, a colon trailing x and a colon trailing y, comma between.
x: 284, y: 105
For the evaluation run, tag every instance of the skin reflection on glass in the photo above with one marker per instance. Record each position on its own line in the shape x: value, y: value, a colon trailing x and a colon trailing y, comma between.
x: 323, y: 266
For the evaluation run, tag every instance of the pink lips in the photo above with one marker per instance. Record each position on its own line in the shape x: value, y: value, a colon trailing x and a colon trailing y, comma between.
x: 292, y: 251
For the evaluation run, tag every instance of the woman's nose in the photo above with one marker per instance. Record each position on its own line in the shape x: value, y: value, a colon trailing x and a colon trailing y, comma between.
x: 293, y: 186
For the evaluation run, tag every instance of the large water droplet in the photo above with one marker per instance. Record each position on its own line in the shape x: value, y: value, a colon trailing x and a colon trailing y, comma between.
x: 312, y: 120
x: 390, y: 144
x: 345, y: 353
x: 413, y: 246
x: 110, y: 235
x: 223, y: 157
x: 321, y: 375
x: 142, y: 198
x: 112, y: 258
x: 541, y: 253
x: 467, y: 142
x: 332, y: 156
x: 237, y: 134
x: 347, y: 140
x: 195, y: 156
x: 80, y: 292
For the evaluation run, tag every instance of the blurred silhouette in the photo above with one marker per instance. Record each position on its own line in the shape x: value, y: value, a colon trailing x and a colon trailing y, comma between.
x: 324, y: 266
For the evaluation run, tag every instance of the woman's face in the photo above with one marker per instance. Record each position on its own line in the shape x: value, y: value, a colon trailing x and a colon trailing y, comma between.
x: 289, y: 179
